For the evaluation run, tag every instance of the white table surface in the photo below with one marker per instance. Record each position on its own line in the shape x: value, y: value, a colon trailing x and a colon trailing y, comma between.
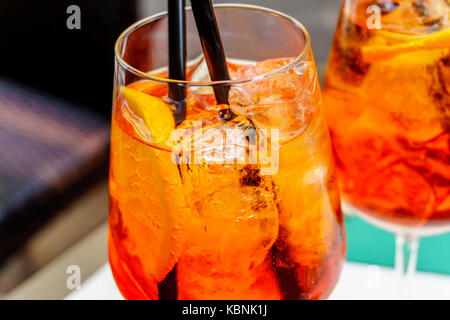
x: 357, y: 281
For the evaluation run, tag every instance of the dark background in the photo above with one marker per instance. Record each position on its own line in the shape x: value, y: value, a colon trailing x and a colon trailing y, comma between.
x: 36, y: 47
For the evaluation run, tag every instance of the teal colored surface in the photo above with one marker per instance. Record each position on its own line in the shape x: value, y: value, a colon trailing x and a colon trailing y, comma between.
x: 369, y: 244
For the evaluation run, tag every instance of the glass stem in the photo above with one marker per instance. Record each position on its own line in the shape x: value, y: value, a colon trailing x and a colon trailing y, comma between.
x: 406, y: 252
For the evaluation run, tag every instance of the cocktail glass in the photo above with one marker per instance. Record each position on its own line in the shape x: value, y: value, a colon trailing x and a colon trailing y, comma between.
x: 239, y: 200
x: 387, y: 101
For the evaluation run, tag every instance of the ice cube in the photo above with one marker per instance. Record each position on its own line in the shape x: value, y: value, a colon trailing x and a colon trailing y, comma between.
x: 229, y: 194
x: 413, y: 15
x: 235, y: 212
x: 283, y: 101
x: 219, y: 143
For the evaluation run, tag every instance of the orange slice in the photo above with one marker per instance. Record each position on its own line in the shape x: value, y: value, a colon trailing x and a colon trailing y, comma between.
x: 150, y: 207
x: 375, y: 53
x: 155, y: 114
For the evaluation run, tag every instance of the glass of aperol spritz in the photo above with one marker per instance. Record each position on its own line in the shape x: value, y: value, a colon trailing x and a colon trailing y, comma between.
x: 387, y: 99
x: 237, y: 200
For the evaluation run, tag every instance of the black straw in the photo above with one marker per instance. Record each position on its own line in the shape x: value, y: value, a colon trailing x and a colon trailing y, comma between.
x: 177, y: 56
x: 208, y: 31
x: 167, y: 289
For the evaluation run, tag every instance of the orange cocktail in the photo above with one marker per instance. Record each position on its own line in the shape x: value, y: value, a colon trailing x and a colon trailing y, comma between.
x: 387, y: 99
x: 237, y: 201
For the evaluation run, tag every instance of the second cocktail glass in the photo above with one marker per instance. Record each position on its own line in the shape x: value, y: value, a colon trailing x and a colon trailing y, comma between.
x: 387, y: 101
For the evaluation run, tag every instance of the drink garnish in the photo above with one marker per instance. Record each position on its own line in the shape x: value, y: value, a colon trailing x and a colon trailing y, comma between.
x: 438, y: 40
x: 154, y: 112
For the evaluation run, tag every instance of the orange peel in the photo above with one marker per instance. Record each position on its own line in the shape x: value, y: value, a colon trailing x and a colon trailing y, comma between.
x: 376, y: 53
x: 155, y: 113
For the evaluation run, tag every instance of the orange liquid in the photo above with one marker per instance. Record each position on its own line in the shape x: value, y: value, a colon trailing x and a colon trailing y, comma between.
x: 223, y: 231
x: 390, y: 121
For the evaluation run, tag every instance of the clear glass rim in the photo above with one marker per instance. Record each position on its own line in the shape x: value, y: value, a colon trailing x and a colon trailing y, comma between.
x: 145, y: 76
